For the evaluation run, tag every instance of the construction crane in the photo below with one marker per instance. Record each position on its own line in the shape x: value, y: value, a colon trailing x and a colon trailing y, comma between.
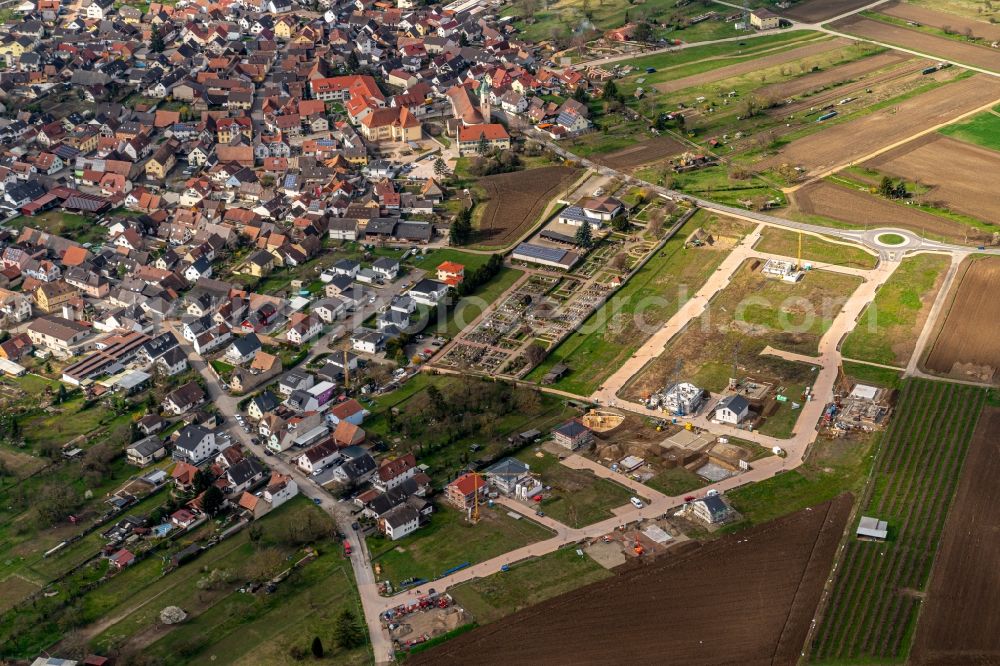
x: 798, y: 265
x: 347, y: 369
x: 474, y: 516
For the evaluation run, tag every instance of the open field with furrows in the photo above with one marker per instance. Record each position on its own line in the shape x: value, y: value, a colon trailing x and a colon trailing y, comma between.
x: 875, y: 87
x: 888, y: 329
x: 926, y: 16
x: 817, y: 251
x: 958, y: 625
x: 516, y: 200
x: 753, y: 312
x: 612, y: 334
x: 750, y: 66
x: 939, y: 47
x: 650, y: 150
x: 834, y: 78
x: 967, y: 344
x: 878, y: 587
x: 765, y: 596
x: 951, y: 169
x: 814, y: 11
x: 849, y: 206
x: 848, y: 141
x: 978, y: 10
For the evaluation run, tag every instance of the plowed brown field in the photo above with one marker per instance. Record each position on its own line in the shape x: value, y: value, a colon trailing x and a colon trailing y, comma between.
x: 940, y: 47
x: 968, y: 336
x: 959, y: 624
x: 650, y: 150
x: 821, y: 79
x: 952, y: 169
x: 854, y: 139
x: 746, y: 598
x: 848, y: 204
x: 517, y: 199
x: 813, y: 11
x: 940, y: 20
x: 752, y: 65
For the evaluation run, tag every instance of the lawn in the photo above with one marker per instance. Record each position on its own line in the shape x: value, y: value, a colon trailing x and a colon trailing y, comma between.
x: 982, y: 129
x: 888, y: 328
x: 676, y: 481
x: 430, y: 261
x: 781, y: 241
x: 832, y: 466
x: 68, y: 225
x: 782, y: 422
x: 449, y: 541
x: 612, y: 334
x: 527, y: 584
x: 578, y: 498
x: 871, y: 374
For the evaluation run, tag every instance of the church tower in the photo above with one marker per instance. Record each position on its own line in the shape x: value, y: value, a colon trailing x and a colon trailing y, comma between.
x: 485, y: 108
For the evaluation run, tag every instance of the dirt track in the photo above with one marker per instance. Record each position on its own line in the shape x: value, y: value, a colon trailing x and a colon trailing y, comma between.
x: 743, y: 599
x: 648, y: 151
x: 935, y: 19
x: 857, y: 138
x: 953, y: 168
x: 821, y: 79
x: 942, y: 47
x: 959, y: 624
x: 752, y: 65
x: 848, y: 204
x: 814, y: 11
x: 968, y: 334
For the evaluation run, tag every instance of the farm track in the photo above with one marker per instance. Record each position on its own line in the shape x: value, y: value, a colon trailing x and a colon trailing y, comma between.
x: 874, y: 602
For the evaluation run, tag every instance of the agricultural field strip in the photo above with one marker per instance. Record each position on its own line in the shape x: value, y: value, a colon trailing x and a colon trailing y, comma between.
x: 900, y: 479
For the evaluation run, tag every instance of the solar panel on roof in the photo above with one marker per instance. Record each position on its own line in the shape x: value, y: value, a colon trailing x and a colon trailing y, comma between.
x: 540, y: 252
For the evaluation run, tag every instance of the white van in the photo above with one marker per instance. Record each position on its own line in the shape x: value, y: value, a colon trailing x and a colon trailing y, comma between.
x: 636, y: 502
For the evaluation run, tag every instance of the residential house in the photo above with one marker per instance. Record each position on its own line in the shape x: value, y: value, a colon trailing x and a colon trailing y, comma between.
x: 146, y: 451
x: 184, y: 398
x: 461, y: 493
x: 573, y: 435
x: 195, y: 444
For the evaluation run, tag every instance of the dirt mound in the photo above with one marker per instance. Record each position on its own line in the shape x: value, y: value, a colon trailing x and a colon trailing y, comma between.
x: 746, y: 598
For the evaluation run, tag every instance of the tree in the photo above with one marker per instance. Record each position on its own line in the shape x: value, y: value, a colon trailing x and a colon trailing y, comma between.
x: 202, y: 480
x: 172, y: 615
x: 885, y: 187
x: 60, y: 395
x: 483, y: 147
x: 440, y: 168
x: 348, y: 632
x: 618, y: 261
x: 156, y: 43
x: 317, y: 648
x: 461, y: 228
x: 584, y: 235
x: 212, y: 501
x: 643, y: 32
x: 610, y: 91
x: 535, y: 354
x: 264, y: 565
x: 580, y: 95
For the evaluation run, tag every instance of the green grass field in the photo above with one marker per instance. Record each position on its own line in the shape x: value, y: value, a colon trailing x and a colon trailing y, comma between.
x: 871, y: 374
x: 450, y: 540
x: 577, y: 498
x: 676, y: 481
x: 982, y: 129
x: 781, y: 241
x: 68, y: 225
x: 888, y: 328
x: 611, y: 334
x: 527, y: 584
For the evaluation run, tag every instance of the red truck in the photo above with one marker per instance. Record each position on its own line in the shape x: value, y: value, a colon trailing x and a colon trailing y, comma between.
x: 347, y: 548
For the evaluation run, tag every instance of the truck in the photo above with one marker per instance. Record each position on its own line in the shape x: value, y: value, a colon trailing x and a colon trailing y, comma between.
x: 347, y: 548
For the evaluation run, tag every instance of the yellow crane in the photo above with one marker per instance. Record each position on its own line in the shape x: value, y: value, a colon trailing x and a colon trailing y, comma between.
x: 474, y: 516
x: 798, y: 266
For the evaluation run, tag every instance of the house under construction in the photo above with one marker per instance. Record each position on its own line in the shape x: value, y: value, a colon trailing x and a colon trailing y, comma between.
x: 679, y: 399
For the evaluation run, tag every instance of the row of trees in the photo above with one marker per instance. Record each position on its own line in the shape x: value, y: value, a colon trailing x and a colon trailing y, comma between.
x: 480, y: 276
